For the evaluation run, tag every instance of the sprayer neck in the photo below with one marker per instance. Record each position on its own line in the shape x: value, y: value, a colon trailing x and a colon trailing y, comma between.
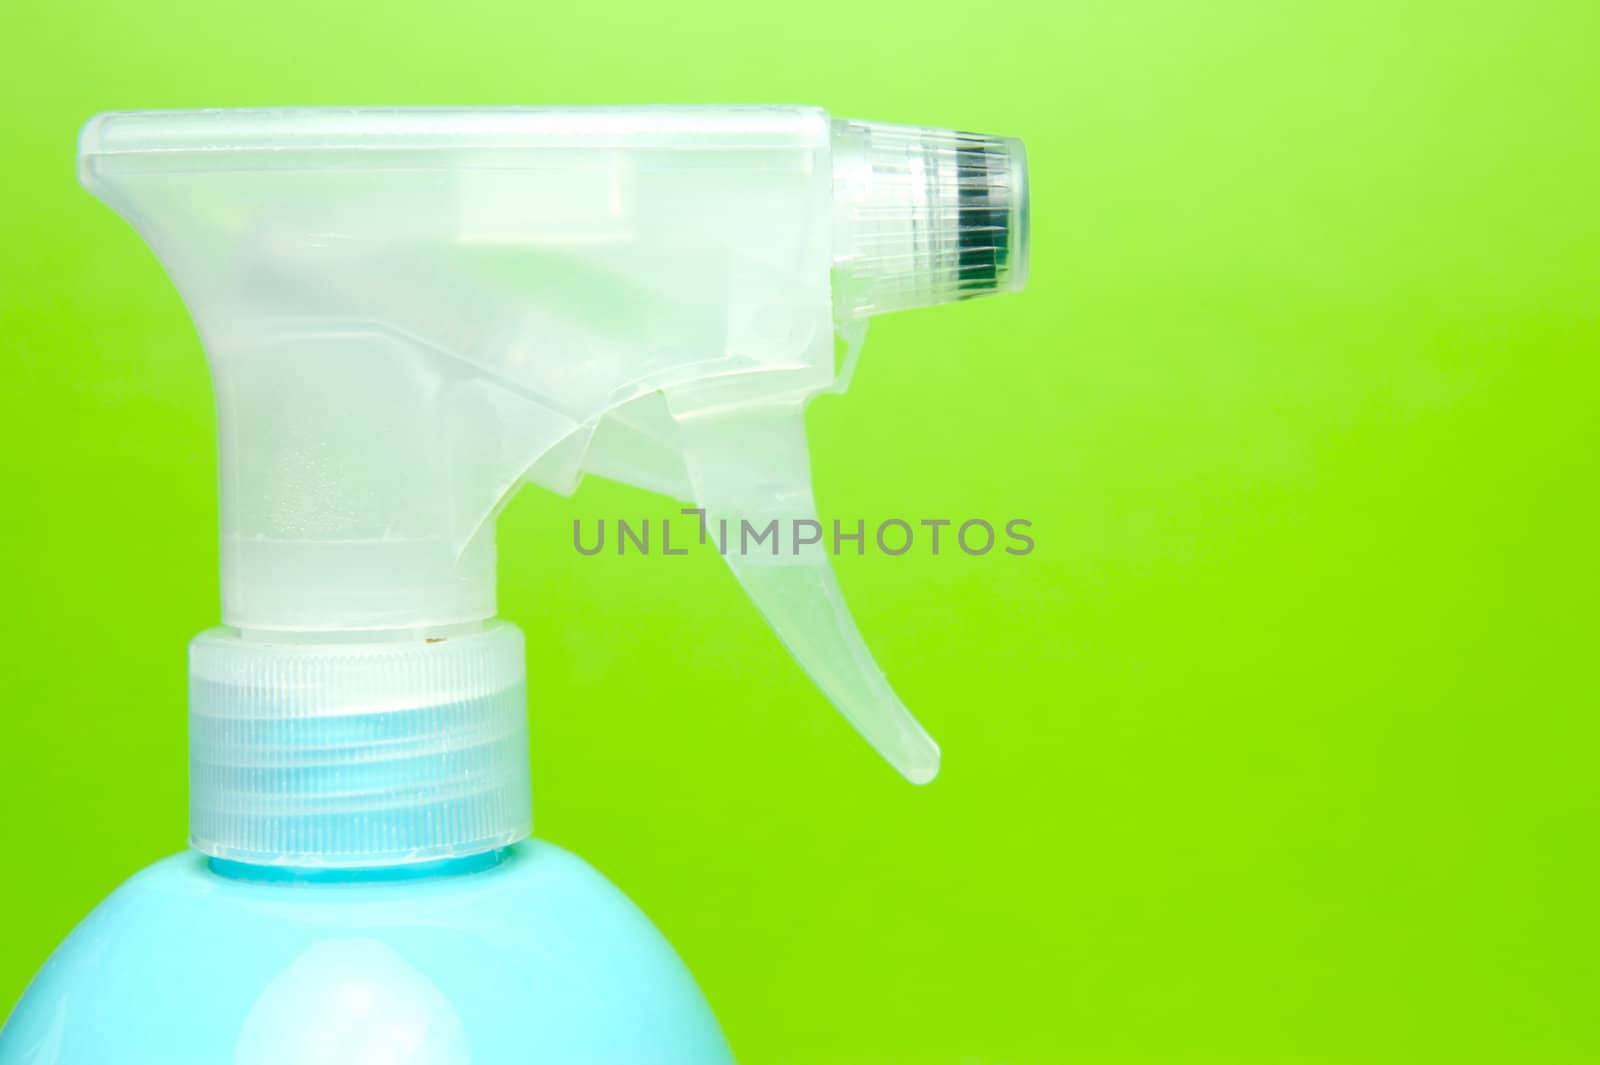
x: 377, y: 874
x: 341, y: 754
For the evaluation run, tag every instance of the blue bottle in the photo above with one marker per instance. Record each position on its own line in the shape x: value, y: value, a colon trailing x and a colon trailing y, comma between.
x: 520, y: 954
x: 407, y: 314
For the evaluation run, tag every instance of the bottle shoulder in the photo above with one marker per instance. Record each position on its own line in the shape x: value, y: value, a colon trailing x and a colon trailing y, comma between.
x: 256, y: 971
x: 531, y: 899
x: 529, y: 868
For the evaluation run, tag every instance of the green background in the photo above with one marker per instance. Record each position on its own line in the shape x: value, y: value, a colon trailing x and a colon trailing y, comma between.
x: 1281, y: 746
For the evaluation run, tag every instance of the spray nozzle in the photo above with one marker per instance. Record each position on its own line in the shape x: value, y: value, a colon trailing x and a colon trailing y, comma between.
x: 407, y: 313
x: 925, y: 216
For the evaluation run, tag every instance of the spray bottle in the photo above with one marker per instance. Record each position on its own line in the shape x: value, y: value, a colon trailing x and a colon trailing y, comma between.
x: 407, y: 314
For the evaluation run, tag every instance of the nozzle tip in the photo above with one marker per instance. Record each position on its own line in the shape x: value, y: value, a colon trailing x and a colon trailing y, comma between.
x: 992, y: 216
x: 925, y: 216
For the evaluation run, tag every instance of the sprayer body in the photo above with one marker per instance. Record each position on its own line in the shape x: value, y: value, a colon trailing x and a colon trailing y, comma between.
x: 409, y: 313
x: 529, y: 955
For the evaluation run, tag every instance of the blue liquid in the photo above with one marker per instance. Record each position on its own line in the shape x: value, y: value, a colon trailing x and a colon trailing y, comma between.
x: 518, y: 956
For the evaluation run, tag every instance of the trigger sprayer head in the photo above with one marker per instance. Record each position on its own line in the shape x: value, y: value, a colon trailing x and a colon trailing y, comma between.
x: 408, y: 313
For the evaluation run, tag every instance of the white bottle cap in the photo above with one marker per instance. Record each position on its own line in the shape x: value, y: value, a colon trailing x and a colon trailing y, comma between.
x: 357, y: 754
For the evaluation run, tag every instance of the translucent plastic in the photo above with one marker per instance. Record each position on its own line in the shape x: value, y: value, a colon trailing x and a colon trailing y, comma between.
x: 363, y: 754
x: 926, y: 216
x: 407, y: 313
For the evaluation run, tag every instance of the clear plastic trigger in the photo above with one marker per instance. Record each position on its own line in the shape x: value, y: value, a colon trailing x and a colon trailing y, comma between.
x: 850, y: 335
x: 750, y: 468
